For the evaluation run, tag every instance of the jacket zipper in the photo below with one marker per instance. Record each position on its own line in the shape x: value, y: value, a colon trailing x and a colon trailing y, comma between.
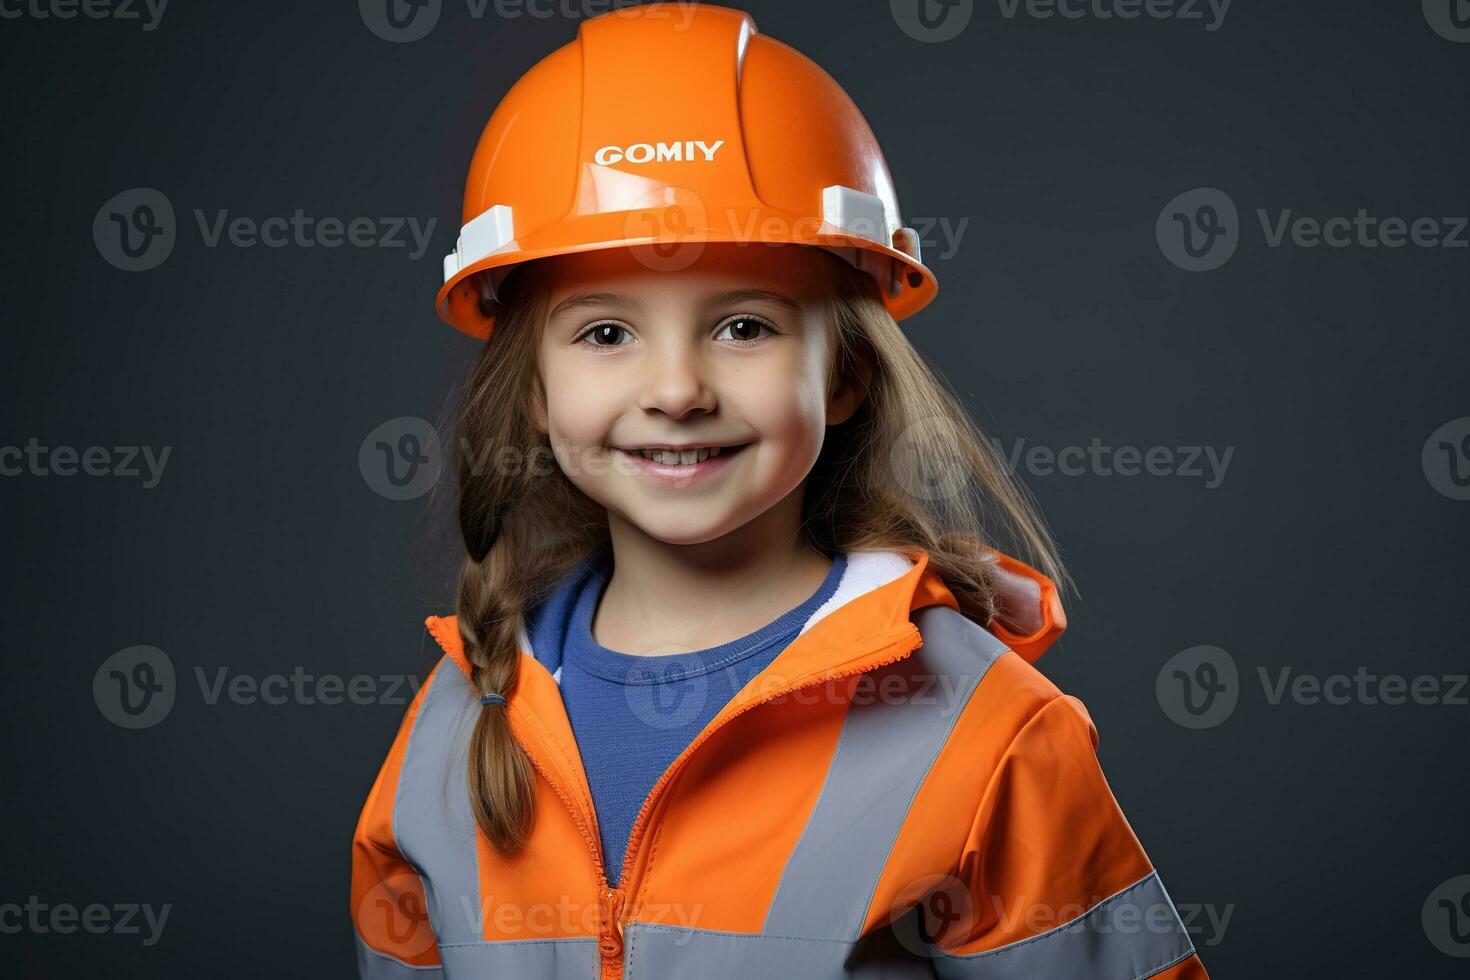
x: 612, y: 901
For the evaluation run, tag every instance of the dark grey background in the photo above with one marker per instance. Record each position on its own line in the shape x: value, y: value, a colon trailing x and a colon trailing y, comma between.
x: 1321, y: 830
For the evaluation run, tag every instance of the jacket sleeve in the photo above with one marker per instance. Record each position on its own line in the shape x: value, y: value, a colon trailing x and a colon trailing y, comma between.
x: 1052, y: 882
x: 394, y: 937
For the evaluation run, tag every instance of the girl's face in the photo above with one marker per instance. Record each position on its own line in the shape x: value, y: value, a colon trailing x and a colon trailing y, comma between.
x: 731, y: 351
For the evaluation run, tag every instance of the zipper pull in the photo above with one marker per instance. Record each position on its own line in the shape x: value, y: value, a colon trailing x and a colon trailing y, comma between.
x: 610, y: 943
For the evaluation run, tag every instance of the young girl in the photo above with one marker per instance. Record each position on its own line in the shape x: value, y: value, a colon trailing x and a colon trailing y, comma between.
x: 737, y: 685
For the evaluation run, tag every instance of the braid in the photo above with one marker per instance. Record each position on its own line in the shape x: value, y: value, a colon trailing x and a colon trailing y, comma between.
x: 491, y: 597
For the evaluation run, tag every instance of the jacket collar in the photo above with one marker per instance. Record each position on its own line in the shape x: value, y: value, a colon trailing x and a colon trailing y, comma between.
x: 873, y: 600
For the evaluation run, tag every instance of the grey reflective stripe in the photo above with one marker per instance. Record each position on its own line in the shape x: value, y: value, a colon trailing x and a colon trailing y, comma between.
x: 524, y: 959
x: 886, y: 748
x: 432, y: 822
x: 655, y: 952
x: 1134, y: 934
x: 372, y: 965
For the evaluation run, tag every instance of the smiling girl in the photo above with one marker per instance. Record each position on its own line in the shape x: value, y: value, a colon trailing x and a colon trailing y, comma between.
x: 740, y: 679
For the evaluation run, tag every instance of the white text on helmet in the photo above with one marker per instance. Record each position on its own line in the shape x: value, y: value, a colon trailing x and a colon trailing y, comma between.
x: 660, y: 152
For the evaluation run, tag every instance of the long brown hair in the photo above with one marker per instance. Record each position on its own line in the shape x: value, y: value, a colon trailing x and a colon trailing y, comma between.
x: 910, y: 470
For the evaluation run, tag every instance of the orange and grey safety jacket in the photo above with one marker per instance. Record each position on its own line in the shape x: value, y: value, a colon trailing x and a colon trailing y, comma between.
x: 900, y: 793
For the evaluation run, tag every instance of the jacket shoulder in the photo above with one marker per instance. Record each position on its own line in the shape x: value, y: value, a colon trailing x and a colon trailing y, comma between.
x: 956, y: 647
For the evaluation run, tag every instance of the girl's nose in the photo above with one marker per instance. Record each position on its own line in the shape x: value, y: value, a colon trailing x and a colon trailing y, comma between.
x: 675, y: 383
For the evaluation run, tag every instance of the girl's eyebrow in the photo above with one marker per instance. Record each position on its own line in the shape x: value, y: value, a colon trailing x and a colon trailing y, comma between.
x: 730, y: 296
x: 581, y: 300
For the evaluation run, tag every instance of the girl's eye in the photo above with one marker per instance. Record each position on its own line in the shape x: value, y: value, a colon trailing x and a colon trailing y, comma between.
x: 603, y: 335
x: 745, y: 329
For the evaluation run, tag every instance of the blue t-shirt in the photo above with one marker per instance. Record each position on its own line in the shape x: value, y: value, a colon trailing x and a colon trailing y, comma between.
x: 631, y: 714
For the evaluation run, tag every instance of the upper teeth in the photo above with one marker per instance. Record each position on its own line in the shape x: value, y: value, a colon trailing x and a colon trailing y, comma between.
x: 679, y: 457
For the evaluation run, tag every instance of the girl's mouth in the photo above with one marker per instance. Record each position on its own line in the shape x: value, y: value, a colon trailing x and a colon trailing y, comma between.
x: 678, y: 466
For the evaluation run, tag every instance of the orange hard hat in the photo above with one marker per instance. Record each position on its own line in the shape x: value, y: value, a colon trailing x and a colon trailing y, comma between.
x: 676, y: 124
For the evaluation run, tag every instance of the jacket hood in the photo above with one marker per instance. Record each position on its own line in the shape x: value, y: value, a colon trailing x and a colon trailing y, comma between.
x: 1029, y: 619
